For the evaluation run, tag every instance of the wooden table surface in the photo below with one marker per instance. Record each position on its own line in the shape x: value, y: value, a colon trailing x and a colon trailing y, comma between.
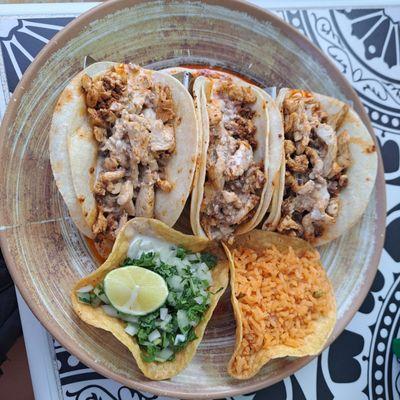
x: 15, y: 383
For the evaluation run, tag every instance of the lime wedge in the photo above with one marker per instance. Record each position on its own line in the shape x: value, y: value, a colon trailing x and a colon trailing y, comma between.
x: 134, y: 290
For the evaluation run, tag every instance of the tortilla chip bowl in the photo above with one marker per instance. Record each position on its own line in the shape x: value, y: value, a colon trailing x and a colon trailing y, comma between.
x: 43, y: 249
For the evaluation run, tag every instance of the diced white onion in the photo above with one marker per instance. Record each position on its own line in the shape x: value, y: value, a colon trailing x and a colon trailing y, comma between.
x: 168, y: 318
x: 163, y: 324
x: 96, y: 290
x: 170, y: 298
x: 110, y: 310
x: 204, y: 266
x: 192, y: 257
x: 85, y: 289
x: 134, y: 248
x: 154, y: 335
x: 103, y: 298
x: 198, y: 300
x: 179, y: 266
x: 179, y: 339
x: 129, y: 318
x: 131, y: 329
x: 175, y: 282
x: 183, y: 320
x: 158, y: 322
x: 163, y: 313
x: 203, y: 275
x: 193, y: 269
x: 84, y: 297
x: 176, y: 261
x: 164, y: 354
x: 165, y: 254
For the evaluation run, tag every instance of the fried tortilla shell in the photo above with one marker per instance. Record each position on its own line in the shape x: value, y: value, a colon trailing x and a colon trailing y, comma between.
x: 319, y: 331
x: 99, y: 319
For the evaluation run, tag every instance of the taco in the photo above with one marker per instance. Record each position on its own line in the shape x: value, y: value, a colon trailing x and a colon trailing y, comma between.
x: 65, y: 120
x: 161, y: 323
x: 124, y: 142
x: 283, y: 301
x: 233, y: 178
x: 328, y: 171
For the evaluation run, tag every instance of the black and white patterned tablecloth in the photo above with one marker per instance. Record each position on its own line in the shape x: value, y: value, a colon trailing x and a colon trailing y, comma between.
x: 365, y: 45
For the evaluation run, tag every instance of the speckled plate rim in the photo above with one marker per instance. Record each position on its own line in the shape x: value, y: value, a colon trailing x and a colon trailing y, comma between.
x: 70, y: 31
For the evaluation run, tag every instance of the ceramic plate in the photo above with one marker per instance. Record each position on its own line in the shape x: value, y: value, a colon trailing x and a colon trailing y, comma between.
x: 42, y: 247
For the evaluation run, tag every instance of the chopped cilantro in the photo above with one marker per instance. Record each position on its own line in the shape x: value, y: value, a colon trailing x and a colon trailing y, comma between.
x: 145, y: 260
x: 90, y: 298
x: 84, y: 299
x: 147, y: 357
x: 181, y: 252
x: 193, y: 287
x: 209, y: 259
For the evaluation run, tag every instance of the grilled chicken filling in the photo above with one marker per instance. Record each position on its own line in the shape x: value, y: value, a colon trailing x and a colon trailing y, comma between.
x: 133, y: 122
x: 234, y: 180
x: 317, y: 158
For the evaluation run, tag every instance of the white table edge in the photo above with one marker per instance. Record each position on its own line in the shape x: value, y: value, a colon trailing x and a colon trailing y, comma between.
x: 12, y: 10
x: 41, y: 356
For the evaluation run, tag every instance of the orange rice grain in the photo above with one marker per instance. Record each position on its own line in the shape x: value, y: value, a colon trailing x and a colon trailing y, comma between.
x: 280, y: 296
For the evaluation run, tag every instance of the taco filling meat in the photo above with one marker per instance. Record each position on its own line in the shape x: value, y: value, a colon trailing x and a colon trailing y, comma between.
x: 234, y: 180
x: 133, y: 121
x: 317, y: 158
